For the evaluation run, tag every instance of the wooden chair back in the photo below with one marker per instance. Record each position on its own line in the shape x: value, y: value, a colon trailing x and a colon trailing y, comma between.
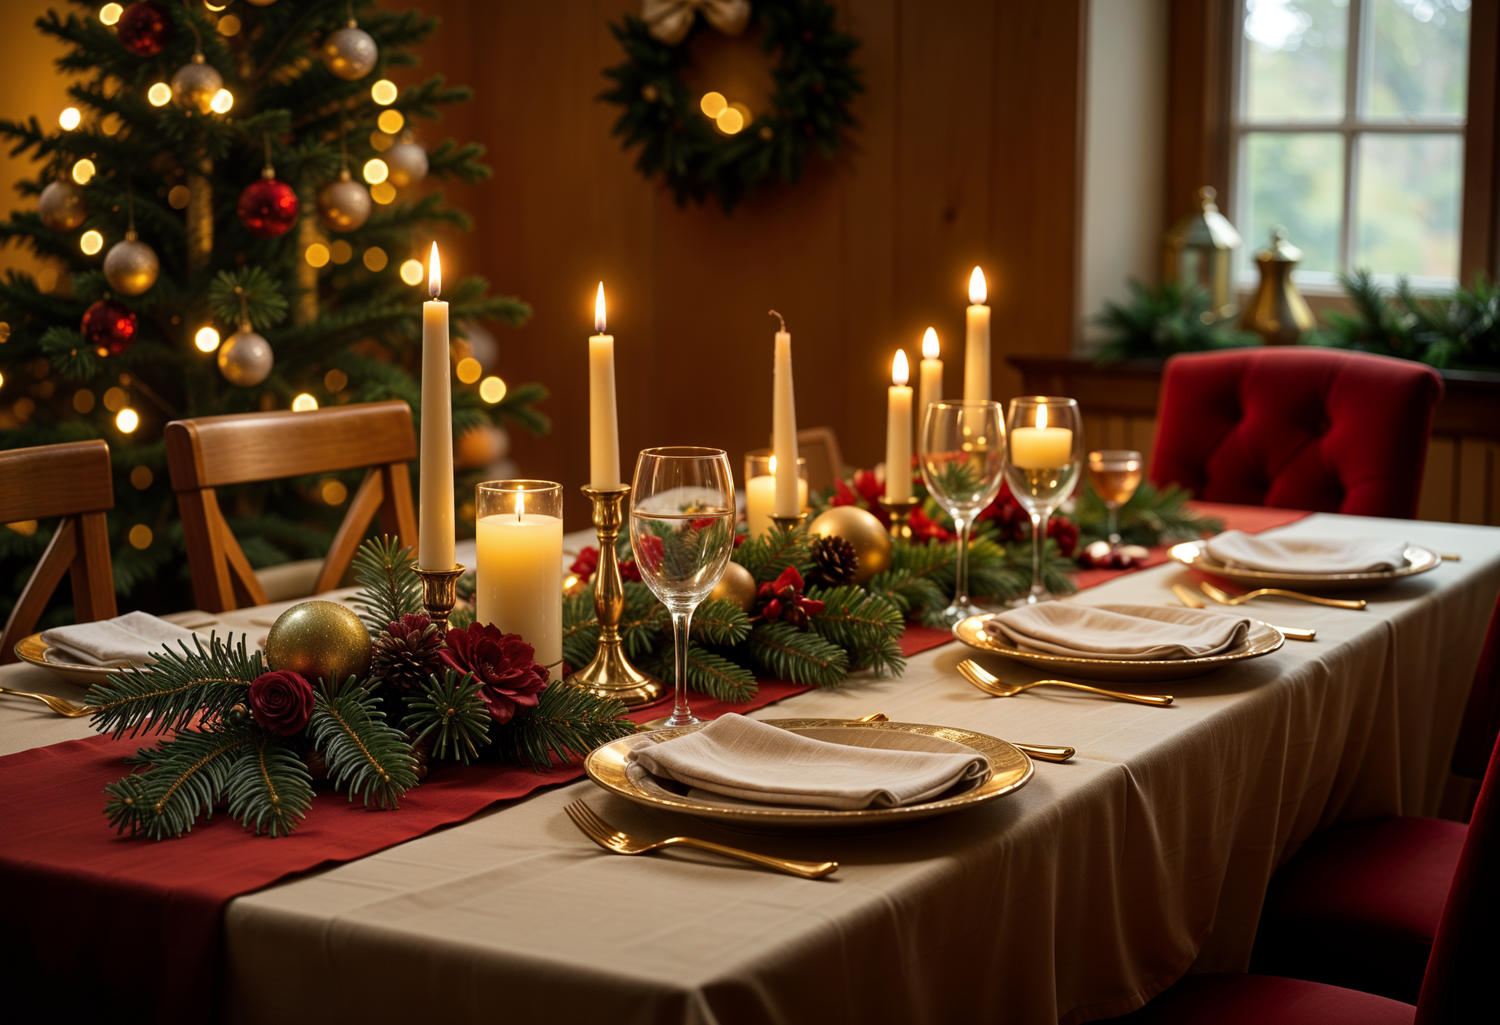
x: 71, y: 481
x: 209, y: 452
x: 820, y: 447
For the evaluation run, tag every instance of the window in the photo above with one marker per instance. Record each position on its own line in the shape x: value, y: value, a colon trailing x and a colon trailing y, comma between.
x: 1348, y: 128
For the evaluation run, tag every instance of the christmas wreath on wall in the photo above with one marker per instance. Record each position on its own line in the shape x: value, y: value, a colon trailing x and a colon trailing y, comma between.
x: 708, y: 145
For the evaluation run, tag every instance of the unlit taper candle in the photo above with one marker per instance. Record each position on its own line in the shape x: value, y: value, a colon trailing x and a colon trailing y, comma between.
x: 435, y: 506
x: 784, y: 425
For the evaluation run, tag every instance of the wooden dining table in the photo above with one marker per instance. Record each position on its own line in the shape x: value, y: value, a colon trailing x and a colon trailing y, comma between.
x: 1079, y: 896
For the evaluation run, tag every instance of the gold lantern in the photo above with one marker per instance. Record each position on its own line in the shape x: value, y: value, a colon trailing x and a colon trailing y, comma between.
x: 1278, y: 313
x: 1198, y: 253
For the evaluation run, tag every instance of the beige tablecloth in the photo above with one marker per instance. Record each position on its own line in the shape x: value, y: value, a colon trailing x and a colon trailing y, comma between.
x: 1078, y: 897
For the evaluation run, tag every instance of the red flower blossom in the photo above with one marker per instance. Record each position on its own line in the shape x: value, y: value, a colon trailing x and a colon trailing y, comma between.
x: 504, y: 665
x: 783, y: 599
x: 586, y: 563
x: 281, y: 701
x: 649, y: 550
x: 630, y: 571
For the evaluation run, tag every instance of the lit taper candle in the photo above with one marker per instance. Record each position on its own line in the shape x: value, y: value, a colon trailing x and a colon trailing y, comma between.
x: 784, y: 425
x: 977, y: 341
x: 435, y: 507
x: 898, y: 432
x: 930, y: 377
x: 604, y: 427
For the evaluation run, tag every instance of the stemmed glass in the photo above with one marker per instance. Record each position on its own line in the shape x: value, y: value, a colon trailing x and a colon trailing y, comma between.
x: 1115, y: 473
x: 682, y: 533
x: 962, y: 450
x: 1044, y: 446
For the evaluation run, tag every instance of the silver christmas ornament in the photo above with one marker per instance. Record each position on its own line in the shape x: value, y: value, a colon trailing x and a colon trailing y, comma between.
x: 343, y: 205
x: 130, y: 266
x: 61, y: 206
x: 195, y: 85
x: 350, y: 52
x: 407, y: 162
x: 245, y: 358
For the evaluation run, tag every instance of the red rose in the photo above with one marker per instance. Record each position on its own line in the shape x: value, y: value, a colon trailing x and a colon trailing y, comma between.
x: 504, y: 665
x: 630, y: 571
x: 281, y: 701
x: 586, y: 563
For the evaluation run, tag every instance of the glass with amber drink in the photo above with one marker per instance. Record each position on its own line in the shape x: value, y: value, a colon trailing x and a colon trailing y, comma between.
x: 1115, y: 473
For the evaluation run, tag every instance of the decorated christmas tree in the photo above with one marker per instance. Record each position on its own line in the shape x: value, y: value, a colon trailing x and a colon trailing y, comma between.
x: 237, y: 210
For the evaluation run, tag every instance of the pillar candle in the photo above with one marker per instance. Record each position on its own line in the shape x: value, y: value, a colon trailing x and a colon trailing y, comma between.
x: 898, y: 432
x: 435, y: 490
x: 520, y: 578
x: 930, y: 381
x: 604, y: 428
x: 784, y: 426
x: 977, y: 341
x: 1041, y: 447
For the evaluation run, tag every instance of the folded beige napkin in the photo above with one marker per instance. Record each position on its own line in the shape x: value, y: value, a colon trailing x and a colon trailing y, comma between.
x: 1304, y: 555
x: 754, y: 762
x: 128, y: 640
x: 1118, y: 631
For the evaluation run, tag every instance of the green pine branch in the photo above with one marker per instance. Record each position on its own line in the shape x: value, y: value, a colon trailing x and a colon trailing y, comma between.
x: 388, y: 582
x: 364, y: 754
x: 867, y: 626
x: 188, y: 775
x: 801, y: 656
x: 268, y: 786
x: 180, y: 684
x: 566, y: 723
x: 720, y: 622
x: 708, y: 672
x: 453, y: 714
x: 768, y: 555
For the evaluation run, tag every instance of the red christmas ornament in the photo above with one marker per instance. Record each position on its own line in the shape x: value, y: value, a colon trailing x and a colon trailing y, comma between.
x: 109, y: 327
x: 268, y: 208
x: 144, y: 29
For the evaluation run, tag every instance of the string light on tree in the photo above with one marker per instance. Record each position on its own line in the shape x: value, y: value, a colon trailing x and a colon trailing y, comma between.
x: 127, y: 420
x: 159, y: 94
x: 70, y: 118
x: 304, y: 403
x: 411, y: 272
x: 109, y: 14
x: 383, y: 92
x: 207, y: 339
x: 90, y: 242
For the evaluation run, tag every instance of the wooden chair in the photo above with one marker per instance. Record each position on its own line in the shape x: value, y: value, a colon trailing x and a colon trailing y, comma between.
x: 215, y: 451
x: 71, y: 481
x: 825, y: 463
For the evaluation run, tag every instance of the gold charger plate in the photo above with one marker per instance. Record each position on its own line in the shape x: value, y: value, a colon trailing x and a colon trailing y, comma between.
x: 34, y: 650
x: 1262, y: 640
x: 1195, y: 554
x: 1010, y: 768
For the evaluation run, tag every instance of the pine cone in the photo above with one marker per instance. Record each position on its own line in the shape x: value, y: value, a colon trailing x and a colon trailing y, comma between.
x: 835, y: 562
x: 406, y: 653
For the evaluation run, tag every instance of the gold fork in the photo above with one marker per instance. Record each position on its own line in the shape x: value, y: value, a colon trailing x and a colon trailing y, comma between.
x: 59, y: 705
x: 1224, y: 598
x: 1291, y: 633
x: 611, y: 839
x: 990, y: 684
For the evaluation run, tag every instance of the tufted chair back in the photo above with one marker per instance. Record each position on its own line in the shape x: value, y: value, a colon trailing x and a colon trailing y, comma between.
x: 1297, y: 428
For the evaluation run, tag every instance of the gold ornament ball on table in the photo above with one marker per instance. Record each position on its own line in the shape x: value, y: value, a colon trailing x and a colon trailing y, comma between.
x: 343, y: 205
x: 245, y: 358
x: 61, y: 206
x: 350, y: 52
x: 736, y: 586
x: 871, y: 541
x: 195, y: 85
x: 319, y: 640
x: 131, y: 267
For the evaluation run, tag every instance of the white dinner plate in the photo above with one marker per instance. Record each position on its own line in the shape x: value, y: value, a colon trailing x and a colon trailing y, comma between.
x: 1417, y: 560
x: 1261, y: 640
x: 1010, y: 768
x: 34, y: 650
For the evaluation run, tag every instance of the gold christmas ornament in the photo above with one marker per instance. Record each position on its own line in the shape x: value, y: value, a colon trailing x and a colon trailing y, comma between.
x: 350, y: 52
x: 131, y: 266
x: 195, y: 85
x: 319, y: 640
x: 737, y: 586
x: 872, y: 544
x: 245, y: 358
x: 343, y: 205
x: 62, y: 207
x: 407, y: 163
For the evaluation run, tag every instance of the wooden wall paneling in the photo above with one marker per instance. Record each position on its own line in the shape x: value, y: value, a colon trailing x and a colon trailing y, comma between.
x: 1480, y: 237
x: 1436, y: 500
x: 1199, y: 42
x: 1473, y: 489
x: 1038, y: 58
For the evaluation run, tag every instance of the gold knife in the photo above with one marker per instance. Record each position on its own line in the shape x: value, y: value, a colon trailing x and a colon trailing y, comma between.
x: 1291, y: 633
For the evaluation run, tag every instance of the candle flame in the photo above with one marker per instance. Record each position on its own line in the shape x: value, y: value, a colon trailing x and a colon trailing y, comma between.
x: 434, y: 274
x: 899, y: 370
x: 977, y: 291
x: 1041, y: 418
x: 930, y: 345
x: 773, y: 464
x: 599, y: 310
x: 520, y: 504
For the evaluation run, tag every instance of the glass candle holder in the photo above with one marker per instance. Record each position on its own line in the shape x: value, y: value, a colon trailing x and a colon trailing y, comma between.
x: 760, y: 489
x: 518, y: 583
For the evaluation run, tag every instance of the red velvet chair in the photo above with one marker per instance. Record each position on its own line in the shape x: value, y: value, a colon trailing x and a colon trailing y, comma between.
x: 1296, y: 427
x: 1457, y: 985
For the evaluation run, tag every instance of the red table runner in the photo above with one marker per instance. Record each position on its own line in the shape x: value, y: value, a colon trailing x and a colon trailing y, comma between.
x: 138, y: 922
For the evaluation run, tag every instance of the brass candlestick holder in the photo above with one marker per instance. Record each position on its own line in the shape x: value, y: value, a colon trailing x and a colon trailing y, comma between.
x: 788, y: 522
x: 610, y: 674
x: 439, y: 592
x: 899, y: 510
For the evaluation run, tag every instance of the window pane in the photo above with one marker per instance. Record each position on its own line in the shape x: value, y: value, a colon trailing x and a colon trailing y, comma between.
x: 1296, y: 180
x: 1406, y: 212
x: 1421, y: 59
x: 1294, y: 59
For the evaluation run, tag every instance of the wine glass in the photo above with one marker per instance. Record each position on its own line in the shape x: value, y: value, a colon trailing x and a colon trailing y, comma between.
x: 1115, y: 473
x: 682, y: 533
x: 962, y: 450
x: 1044, y: 445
